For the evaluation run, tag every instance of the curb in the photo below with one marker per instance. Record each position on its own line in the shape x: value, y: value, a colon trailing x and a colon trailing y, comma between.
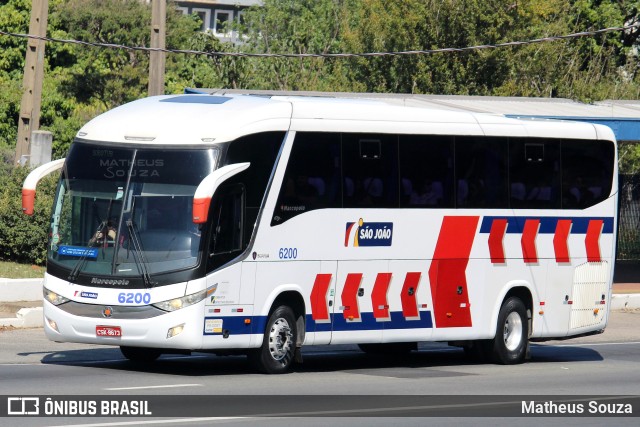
x: 15, y: 290
x: 25, y: 318
x: 625, y: 301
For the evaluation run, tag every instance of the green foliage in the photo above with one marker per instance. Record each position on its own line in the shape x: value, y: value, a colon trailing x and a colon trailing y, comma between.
x: 14, y: 17
x: 24, y: 238
x: 106, y: 76
x: 629, y: 158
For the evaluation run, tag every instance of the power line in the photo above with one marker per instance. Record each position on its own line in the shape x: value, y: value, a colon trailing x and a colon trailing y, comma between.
x: 329, y: 55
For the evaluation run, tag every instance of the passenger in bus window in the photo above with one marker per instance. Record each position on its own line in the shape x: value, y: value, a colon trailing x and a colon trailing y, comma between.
x: 463, y: 192
x: 427, y: 194
x: 540, y: 192
x: 518, y: 191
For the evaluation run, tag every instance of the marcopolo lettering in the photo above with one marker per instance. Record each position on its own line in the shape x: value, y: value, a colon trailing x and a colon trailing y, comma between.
x: 113, y: 282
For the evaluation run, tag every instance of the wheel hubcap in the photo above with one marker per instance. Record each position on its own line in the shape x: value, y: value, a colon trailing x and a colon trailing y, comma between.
x: 280, y: 339
x: 512, y: 331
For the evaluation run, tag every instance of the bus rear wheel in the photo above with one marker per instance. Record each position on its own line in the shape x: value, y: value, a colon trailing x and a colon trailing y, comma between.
x: 277, y: 353
x: 140, y: 354
x: 510, y: 344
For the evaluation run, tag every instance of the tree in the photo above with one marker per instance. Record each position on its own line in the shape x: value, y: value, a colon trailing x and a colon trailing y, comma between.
x: 301, y: 27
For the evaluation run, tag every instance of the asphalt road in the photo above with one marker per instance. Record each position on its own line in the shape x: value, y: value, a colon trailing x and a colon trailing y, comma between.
x: 602, y: 365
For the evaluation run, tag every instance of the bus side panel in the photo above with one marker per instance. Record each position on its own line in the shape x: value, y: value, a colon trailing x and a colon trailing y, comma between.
x: 275, y: 278
x: 408, y: 297
x: 226, y: 309
x: 354, y: 319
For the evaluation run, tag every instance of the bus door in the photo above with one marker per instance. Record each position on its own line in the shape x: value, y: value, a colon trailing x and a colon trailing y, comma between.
x: 402, y: 300
x: 225, y: 244
x: 354, y: 317
x: 323, y: 303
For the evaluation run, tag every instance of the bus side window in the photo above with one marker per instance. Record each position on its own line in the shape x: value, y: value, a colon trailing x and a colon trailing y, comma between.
x: 426, y: 170
x: 534, y: 173
x: 370, y: 167
x: 312, y: 178
x: 586, y: 172
x: 481, y: 171
x: 227, y: 225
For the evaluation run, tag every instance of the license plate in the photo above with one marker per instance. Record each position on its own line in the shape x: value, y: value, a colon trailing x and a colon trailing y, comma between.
x: 108, y: 331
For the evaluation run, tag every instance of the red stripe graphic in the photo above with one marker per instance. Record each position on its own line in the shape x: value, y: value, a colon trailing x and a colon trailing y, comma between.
x: 350, y: 296
x: 379, y: 296
x: 592, y: 240
x: 528, y: 241
x: 496, y: 237
x: 447, y: 272
x: 319, y: 308
x: 408, y: 295
x: 560, y: 244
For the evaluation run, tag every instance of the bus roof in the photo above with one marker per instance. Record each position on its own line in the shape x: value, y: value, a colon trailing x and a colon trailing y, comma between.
x: 194, y: 119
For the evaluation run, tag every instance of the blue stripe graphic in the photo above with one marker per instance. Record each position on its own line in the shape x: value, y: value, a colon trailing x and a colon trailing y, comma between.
x: 236, y: 325
x: 515, y: 224
x: 369, y: 323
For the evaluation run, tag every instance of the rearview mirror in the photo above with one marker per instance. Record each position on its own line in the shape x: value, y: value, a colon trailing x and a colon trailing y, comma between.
x: 208, y: 186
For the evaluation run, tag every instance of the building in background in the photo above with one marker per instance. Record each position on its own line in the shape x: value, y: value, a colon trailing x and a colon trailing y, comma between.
x: 218, y: 16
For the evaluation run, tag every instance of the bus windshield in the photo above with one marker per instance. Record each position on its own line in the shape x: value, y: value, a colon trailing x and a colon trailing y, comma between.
x: 127, y: 211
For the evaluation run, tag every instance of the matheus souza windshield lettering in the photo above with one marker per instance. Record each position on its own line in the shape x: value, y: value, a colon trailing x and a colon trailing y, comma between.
x: 120, y: 212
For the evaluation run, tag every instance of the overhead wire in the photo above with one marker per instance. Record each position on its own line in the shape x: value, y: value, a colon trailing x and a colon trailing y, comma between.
x: 327, y: 55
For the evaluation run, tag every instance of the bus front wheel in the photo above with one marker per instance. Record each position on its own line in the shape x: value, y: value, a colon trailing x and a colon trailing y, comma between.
x: 510, y: 344
x: 277, y: 353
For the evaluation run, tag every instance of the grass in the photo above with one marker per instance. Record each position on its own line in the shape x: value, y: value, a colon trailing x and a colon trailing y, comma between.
x: 13, y: 270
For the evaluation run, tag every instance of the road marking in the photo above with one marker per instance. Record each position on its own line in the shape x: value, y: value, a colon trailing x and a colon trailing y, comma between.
x: 153, y: 386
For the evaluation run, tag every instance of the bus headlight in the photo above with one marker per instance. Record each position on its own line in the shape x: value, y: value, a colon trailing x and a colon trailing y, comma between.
x: 178, y: 303
x: 54, y: 298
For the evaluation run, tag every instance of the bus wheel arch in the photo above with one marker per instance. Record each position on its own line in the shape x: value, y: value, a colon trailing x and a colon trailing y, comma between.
x: 283, y: 335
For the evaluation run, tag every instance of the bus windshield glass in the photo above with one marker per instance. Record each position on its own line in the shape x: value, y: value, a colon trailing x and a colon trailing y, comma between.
x: 127, y: 211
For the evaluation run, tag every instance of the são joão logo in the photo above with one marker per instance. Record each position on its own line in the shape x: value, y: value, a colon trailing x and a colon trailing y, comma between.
x: 368, y: 233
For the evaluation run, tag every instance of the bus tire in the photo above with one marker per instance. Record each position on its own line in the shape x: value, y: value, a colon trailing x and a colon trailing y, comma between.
x: 277, y: 353
x: 140, y: 354
x: 509, y: 347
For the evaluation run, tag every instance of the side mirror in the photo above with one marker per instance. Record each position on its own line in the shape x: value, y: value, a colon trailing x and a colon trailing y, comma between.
x: 31, y: 182
x: 208, y: 186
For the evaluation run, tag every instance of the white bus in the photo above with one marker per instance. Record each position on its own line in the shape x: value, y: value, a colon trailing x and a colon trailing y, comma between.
x: 259, y: 224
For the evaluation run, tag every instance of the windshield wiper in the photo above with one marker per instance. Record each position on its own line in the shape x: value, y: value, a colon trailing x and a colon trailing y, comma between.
x: 141, y: 262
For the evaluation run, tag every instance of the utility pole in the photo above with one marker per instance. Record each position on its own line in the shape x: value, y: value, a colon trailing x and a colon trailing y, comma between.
x: 156, y: 58
x: 29, y: 119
